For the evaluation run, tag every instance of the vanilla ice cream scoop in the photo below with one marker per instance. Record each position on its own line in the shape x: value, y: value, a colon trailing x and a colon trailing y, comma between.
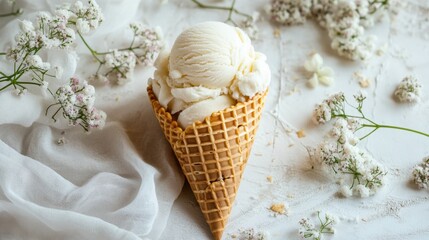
x: 211, y: 66
x: 209, y: 54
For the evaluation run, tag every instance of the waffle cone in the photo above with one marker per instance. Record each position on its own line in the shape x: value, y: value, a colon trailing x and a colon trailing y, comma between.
x: 213, y: 154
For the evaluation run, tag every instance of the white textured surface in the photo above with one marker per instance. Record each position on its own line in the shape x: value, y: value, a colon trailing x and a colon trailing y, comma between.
x: 398, y: 211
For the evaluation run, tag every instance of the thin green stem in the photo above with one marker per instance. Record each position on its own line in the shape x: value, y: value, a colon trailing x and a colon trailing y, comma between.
x: 2, y: 53
x: 377, y: 126
x: 93, y: 52
x: 1, y: 89
x: 230, y: 10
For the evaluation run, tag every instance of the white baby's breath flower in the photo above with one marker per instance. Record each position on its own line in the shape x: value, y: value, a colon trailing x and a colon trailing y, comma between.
x: 36, y: 61
x: 76, y: 99
x: 249, y: 26
x: 122, y: 65
x: 308, y: 230
x: 19, y: 92
x: 290, y: 12
x: 421, y: 174
x: 408, y: 90
x: 82, y: 26
x: 340, y: 157
x: 319, y: 72
x: 345, y: 191
x: 26, y: 26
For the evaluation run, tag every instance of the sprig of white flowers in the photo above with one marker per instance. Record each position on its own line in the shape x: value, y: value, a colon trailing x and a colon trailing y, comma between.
x: 309, y: 230
x: 248, y: 24
x: 76, y: 102
x: 345, y: 21
x: 354, y: 168
x: 13, y: 10
x: 421, y: 174
x: 336, y: 106
x: 58, y: 31
x: 408, y: 90
x: 357, y: 171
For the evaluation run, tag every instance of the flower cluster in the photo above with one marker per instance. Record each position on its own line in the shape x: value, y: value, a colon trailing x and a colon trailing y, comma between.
x: 347, y: 33
x: 408, y: 90
x: 47, y: 32
x: 85, y: 18
x: 307, y: 228
x: 121, y: 65
x: 355, y: 168
x: 248, y: 25
x: 345, y: 21
x: 147, y: 43
x: 329, y: 108
x: 76, y: 101
x: 319, y: 73
x: 290, y: 12
x: 421, y: 174
x: 250, y: 234
x: 118, y: 64
x: 55, y: 31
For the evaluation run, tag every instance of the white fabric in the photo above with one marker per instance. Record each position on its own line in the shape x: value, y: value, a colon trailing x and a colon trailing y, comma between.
x: 117, y: 183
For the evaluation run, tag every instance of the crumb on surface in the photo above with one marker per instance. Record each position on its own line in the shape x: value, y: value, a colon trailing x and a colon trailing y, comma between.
x: 270, y: 179
x: 300, y: 133
x: 364, y: 83
x: 276, y: 32
x: 278, y: 208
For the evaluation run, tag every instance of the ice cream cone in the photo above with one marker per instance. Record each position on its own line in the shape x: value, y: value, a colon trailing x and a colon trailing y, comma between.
x: 213, y: 154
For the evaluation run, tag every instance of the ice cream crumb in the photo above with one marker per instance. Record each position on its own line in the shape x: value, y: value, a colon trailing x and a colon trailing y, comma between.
x: 270, y: 179
x: 364, y: 83
x: 278, y: 208
x: 300, y: 133
x: 276, y: 32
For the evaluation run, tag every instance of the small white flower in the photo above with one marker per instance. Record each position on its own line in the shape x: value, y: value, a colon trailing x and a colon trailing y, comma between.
x: 26, y: 26
x: 421, y: 174
x: 19, y: 92
x: 345, y: 191
x: 290, y: 12
x: 319, y: 73
x: 339, y: 156
x: 36, y: 61
x: 362, y: 191
x: 82, y: 26
x: 122, y: 65
x: 77, y: 99
x: 249, y: 26
x: 408, y: 90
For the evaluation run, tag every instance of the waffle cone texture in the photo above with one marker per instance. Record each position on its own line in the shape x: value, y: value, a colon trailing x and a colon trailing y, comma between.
x: 213, y: 154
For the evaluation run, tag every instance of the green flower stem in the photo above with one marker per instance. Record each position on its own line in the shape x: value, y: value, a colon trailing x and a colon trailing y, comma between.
x: 230, y: 10
x: 377, y: 126
x: 93, y: 52
x: 2, y: 53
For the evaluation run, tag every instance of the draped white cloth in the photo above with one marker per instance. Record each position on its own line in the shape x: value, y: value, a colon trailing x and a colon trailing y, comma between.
x: 116, y: 183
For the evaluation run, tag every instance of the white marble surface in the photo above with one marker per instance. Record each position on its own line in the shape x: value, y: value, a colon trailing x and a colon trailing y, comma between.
x: 398, y: 210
